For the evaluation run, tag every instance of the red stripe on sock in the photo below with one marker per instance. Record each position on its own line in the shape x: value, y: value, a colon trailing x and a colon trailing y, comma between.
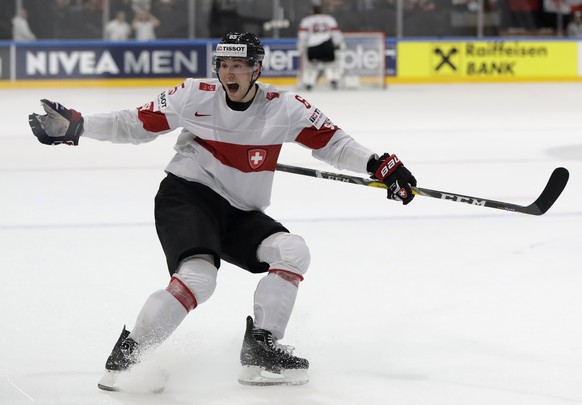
x: 289, y: 276
x: 182, y: 293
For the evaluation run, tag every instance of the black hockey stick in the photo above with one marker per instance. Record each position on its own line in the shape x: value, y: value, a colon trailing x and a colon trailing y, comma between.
x: 547, y: 198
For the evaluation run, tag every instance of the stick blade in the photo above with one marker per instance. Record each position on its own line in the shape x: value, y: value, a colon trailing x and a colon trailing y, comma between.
x: 552, y: 191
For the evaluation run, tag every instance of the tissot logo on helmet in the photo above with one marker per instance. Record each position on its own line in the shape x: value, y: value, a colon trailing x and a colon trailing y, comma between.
x: 231, y: 51
x: 242, y: 45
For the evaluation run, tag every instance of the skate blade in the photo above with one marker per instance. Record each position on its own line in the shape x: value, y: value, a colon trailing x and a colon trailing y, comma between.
x: 136, y: 381
x: 255, y: 375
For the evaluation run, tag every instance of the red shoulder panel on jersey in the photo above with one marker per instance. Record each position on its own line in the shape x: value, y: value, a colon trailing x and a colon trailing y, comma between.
x: 246, y: 158
x: 207, y: 87
x: 153, y: 121
x: 316, y: 138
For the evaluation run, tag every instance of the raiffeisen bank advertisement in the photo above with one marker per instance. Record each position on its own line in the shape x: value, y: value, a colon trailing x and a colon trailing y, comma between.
x: 499, y: 60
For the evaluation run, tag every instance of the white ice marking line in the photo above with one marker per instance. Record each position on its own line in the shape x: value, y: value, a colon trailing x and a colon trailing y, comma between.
x: 70, y: 168
x: 21, y: 391
x: 17, y: 227
x: 75, y: 226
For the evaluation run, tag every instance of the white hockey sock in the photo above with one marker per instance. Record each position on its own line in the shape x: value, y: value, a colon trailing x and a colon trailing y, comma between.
x: 310, y: 74
x: 333, y: 72
x: 274, y: 301
x: 158, y: 318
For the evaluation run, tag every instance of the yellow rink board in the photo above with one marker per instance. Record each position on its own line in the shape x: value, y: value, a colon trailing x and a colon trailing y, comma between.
x: 487, y: 61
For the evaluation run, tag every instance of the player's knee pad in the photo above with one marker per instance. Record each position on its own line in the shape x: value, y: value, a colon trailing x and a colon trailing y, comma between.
x: 285, y: 252
x: 195, y: 281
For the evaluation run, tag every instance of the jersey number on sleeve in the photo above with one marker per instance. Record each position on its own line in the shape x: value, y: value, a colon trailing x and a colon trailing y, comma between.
x: 303, y: 101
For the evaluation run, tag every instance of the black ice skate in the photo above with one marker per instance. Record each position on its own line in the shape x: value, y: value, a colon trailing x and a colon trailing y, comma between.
x: 120, y: 373
x: 266, y: 362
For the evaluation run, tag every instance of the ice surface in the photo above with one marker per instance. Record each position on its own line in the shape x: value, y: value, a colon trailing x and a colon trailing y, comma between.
x: 432, y: 303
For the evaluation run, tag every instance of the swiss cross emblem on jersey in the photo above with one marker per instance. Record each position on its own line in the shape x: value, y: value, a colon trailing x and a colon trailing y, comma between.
x: 256, y: 158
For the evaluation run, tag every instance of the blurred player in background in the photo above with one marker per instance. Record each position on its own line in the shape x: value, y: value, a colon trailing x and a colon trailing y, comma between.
x: 210, y: 206
x: 319, y: 43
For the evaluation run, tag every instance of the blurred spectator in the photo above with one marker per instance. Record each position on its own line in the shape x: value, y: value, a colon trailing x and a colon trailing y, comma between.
x: 144, y: 24
x: 118, y: 29
x: 20, y: 29
x: 575, y: 26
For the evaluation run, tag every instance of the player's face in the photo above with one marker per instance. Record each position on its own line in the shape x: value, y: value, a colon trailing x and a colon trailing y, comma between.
x: 236, y: 75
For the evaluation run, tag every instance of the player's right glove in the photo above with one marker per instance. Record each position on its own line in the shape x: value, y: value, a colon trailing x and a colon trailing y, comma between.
x: 390, y: 171
x: 59, y: 125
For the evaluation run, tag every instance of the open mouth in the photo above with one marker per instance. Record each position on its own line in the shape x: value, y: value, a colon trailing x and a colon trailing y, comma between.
x: 233, y: 87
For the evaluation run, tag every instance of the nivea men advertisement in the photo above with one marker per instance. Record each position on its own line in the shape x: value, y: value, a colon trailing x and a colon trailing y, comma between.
x: 107, y: 60
x: 163, y: 59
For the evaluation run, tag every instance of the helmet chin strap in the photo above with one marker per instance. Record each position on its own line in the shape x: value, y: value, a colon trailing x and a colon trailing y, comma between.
x: 252, y: 83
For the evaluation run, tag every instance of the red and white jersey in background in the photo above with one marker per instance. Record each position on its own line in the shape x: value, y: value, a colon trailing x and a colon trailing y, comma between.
x: 232, y: 152
x: 316, y: 29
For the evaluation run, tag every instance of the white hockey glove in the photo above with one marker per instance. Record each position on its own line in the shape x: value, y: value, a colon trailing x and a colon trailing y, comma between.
x: 59, y: 125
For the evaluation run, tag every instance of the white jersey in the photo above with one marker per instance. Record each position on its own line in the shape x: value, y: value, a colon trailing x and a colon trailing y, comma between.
x: 232, y: 152
x: 318, y: 28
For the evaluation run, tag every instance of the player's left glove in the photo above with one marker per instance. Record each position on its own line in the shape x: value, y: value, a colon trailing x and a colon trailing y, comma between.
x: 59, y: 125
x: 390, y: 171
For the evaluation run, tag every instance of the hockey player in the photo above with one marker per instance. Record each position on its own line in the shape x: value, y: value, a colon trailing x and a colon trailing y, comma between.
x: 210, y: 207
x: 319, y: 41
